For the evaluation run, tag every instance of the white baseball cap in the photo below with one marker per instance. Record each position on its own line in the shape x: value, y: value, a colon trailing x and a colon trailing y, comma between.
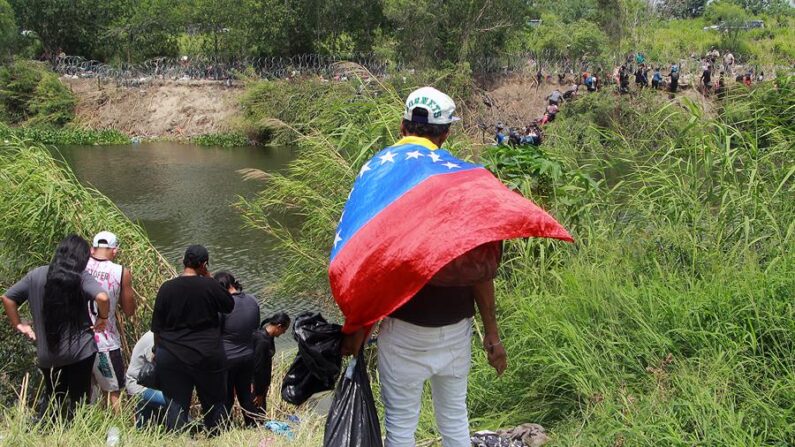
x: 106, y: 239
x: 435, y: 107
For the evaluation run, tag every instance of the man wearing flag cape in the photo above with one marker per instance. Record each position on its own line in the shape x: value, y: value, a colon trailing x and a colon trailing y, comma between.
x: 417, y: 249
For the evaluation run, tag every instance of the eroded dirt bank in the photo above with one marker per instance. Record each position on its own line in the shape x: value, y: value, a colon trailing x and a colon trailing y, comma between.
x: 158, y: 109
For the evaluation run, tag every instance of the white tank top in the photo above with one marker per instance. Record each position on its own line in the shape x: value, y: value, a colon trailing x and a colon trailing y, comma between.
x: 108, y: 275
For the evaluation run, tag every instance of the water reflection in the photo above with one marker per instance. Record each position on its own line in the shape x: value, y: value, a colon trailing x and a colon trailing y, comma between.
x: 182, y: 194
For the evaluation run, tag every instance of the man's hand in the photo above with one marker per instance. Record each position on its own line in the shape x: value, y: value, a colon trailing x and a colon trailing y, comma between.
x: 100, y: 324
x: 351, y: 343
x: 27, y: 331
x: 259, y: 400
x: 495, y: 352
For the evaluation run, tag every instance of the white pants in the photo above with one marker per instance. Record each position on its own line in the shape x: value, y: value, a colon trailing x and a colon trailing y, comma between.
x: 408, y: 355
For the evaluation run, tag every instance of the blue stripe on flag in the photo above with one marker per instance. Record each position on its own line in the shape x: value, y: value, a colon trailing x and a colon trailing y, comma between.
x: 385, y: 178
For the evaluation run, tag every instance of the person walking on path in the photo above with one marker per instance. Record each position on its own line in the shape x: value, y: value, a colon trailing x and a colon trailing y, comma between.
x: 108, y: 371
x: 555, y: 97
x: 188, y: 349
x: 58, y: 295
x: 264, y: 350
x: 150, y: 403
x: 728, y: 63
x: 237, y: 332
x: 429, y: 337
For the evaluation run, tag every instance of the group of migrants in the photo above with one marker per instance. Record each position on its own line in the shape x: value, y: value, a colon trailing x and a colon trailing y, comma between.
x: 205, y: 334
x: 532, y: 134
x: 644, y: 74
x: 714, y: 72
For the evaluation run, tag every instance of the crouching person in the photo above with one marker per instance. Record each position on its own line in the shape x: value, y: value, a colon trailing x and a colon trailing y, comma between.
x: 150, y: 403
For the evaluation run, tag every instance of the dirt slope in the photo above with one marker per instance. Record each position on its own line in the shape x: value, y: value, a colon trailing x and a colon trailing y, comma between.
x: 157, y: 109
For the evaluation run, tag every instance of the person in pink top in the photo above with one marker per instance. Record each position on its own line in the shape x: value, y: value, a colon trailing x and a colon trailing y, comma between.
x: 109, y: 368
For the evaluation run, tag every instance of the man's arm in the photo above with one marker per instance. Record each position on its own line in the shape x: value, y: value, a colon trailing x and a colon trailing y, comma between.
x: 12, y: 311
x: 103, y: 309
x: 127, y: 298
x: 495, y: 351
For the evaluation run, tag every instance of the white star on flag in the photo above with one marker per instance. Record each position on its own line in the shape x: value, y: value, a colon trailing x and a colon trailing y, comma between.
x: 388, y: 157
x: 337, y: 239
x: 435, y: 157
x: 451, y: 165
x: 414, y: 154
x: 364, y: 169
x: 342, y: 215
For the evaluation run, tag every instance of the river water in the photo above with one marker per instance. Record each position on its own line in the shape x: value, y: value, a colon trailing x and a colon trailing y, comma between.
x: 183, y: 194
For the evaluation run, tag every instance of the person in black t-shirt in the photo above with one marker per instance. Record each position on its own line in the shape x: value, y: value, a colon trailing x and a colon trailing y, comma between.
x: 237, y: 332
x: 264, y: 350
x: 188, y: 349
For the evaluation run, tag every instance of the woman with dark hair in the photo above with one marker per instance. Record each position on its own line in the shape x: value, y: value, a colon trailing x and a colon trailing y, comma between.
x: 58, y: 295
x: 237, y: 332
x: 264, y: 350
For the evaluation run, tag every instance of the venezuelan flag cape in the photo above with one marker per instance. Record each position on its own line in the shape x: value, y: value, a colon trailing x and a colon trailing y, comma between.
x: 413, y: 209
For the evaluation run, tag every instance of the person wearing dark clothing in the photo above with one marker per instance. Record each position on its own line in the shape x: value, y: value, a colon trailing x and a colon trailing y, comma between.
x: 641, y: 80
x: 189, y: 353
x: 264, y: 350
x: 58, y: 296
x: 674, y: 75
x: 237, y: 332
x: 706, y: 79
x: 656, y: 79
x: 623, y: 80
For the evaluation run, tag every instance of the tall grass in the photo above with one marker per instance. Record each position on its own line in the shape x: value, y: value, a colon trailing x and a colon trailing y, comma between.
x: 671, y: 322
x: 91, y: 424
x: 42, y: 201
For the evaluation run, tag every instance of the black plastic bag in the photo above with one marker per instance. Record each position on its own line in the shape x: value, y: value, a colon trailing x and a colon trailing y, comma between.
x: 318, y: 362
x: 147, y: 375
x: 353, y: 420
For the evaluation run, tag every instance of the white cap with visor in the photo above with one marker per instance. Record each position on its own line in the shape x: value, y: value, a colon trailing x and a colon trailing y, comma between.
x: 428, y: 105
x: 105, y: 239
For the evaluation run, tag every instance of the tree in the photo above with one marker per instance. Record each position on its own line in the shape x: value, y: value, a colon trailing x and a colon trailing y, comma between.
x: 681, y: 9
x: 732, y: 18
x: 8, y: 30
x: 146, y: 29
x: 69, y: 26
x: 432, y: 31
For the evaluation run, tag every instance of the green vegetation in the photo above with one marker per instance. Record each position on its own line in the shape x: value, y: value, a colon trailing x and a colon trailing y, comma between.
x: 31, y: 94
x: 91, y: 425
x: 229, y: 139
x: 42, y: 203
x: 64, y: 136
x: 36, y: 106
x: 423, y: 33
x: 668, y: 322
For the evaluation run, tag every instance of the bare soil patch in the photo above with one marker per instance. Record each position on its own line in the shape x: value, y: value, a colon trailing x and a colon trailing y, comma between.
x: 171, y: 109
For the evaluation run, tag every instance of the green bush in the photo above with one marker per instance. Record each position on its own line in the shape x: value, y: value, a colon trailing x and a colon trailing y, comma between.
x: 67, y: 135
x: 230, y: 139
x: 31, y: 94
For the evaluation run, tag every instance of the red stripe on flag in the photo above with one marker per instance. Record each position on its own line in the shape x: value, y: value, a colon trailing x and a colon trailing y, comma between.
x: 397, y: 252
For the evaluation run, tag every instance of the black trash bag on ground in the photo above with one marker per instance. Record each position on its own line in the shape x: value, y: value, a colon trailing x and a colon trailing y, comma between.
x: 318, y: 362
x: 353, y: 420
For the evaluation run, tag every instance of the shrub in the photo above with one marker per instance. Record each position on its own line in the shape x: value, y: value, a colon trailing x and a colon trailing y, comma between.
x: 31, y: 94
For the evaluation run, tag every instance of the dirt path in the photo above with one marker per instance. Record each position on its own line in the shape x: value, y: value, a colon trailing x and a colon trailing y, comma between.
x: 172, y: 109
